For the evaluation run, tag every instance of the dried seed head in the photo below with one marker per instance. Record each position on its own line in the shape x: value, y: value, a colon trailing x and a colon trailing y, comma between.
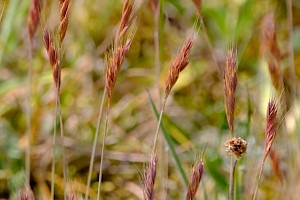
x: 236, y: 146
x: 179, y: 64
x: 230, y: 84
x: 271, y: 126
x: 34, y: 17
x: 53, y: 57
x: 195, y: 180
x: 114, y: 64
x: 268, y: 36
x: 64, y: 18
x: 149, y: 178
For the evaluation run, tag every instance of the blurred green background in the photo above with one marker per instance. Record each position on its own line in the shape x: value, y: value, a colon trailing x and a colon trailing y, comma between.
x: 194, y: 114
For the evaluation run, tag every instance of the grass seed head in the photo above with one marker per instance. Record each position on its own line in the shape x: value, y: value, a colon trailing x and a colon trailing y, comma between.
x: 195, y: 180
x: 271, y: 126
x: 179, y: 63
x: 149, y: 178
x: 64, y: 18
x: 53, y: 57
x: 34, y: 17
x: 230, y: 84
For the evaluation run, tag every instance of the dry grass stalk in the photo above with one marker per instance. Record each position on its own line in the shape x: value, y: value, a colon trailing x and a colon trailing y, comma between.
x: 53, y: 57
x: 236, y: 146
x: 114, y: 64
x: 230, y: 84
x: 34, y: 17
x: 64, y: 18
x: 149, y: 178
x: 180, y: 62
x: 271, y: 126
x: 195, y: 180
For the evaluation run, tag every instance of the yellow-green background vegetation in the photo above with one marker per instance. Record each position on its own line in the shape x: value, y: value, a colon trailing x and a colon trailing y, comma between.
x: 194, y: 115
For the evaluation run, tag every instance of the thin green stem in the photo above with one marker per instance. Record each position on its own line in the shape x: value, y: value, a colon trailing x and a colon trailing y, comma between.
x: 258, y: 181
x: 158, y: 124
x: 94, y: 146
x: 102, y: 150
x: 28, y: 117
x: 53, y: 146
x: 63, y: 149
x: 232, y: 173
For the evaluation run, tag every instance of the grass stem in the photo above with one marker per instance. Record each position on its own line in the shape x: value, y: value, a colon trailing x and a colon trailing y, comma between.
x: 94, y: 145
x: 102, y: 151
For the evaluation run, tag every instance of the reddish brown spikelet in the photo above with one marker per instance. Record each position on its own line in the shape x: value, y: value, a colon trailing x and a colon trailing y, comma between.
x: 195, y: 180
x: 271, y: 126
x: 26, y: 194
x: 53, y: 57
x: 154, y: 5
x: 275, y: 164
x: 268, y: 36
x: 126, y: 19
x: 230, y: 84
x: 34, y: 17
x: 114, y: 64
x: 276, y: 74
x: 198, y: 4
x: 64, y: 18
x: 149, y: 178
x: 179, y: 63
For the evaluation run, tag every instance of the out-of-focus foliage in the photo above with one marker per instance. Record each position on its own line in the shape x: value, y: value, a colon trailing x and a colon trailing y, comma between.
x: 194, y: 115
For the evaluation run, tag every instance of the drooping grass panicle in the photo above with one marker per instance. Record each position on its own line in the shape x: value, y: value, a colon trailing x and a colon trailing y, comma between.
x: 53, y: 57
x: 179, y: 63
x: 230, y: 84
x: 149, y: 178
x: 271, y: 127
x: 64, y: 18
x: 34, y: 17
x: 195, y: 180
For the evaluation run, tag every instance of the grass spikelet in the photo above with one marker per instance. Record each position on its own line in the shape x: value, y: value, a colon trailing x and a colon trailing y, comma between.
x: 195, y: 180
x: 53, y: 57
x: 180, y: 62
x: 230, y: 84
x: 271, y: 126
x: 34, y: 17
x: 149, y: 178
x: 64, y: 18
x: 270, y: 133
x: 114, y: 64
